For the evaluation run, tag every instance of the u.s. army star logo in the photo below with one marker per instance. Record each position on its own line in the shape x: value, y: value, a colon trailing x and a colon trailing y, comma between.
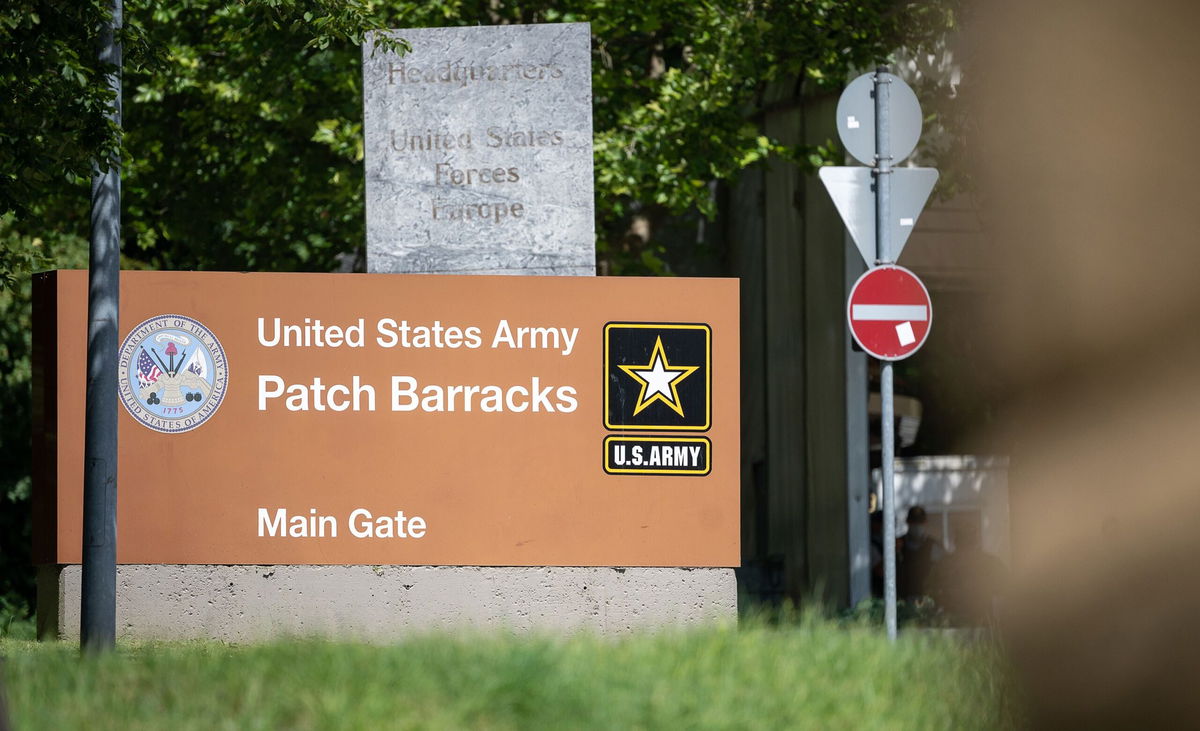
x: 660, y: 380
x: 658, y: 376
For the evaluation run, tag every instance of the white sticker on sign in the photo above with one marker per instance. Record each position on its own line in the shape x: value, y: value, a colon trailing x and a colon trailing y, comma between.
x: 851, y: 122
x: 906, y: 222
x: 904, y: 331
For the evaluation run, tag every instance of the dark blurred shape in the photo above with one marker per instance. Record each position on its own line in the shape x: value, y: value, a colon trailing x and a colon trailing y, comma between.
x: 877, y: 568
x: 920, y: 553
x: 969, y: 584
x: 1086, y: 117
x: 5, y: 725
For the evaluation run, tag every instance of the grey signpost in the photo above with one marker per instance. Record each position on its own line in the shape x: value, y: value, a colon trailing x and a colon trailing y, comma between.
x: 879, y: 122
x: 98, y: 610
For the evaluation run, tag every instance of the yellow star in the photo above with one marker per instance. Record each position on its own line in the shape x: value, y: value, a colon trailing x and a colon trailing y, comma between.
x: 660, y: 378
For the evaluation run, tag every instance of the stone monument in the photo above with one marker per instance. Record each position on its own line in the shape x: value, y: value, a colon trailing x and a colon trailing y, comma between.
x: 478, y: 148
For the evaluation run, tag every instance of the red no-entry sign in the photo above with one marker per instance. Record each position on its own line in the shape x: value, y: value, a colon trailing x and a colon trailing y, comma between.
x: 889, y: 312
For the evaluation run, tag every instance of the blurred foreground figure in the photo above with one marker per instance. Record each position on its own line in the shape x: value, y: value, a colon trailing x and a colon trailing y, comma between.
x: 1088, y: 135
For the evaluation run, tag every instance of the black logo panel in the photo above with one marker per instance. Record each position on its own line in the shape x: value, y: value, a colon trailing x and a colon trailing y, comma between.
x: 657, y: 376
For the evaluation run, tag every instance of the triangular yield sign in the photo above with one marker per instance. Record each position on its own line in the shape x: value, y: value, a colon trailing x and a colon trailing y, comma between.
x: 851, y: 190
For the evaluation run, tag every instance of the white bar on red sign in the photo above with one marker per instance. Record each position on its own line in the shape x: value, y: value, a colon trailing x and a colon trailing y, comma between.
x: 918, y: 313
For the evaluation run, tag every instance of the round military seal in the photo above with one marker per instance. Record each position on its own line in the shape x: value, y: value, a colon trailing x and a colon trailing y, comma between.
x: 173, y: 373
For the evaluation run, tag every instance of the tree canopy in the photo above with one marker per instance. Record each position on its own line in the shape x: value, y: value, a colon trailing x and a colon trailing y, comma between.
x: 243, y: 139
x: 242, y: 145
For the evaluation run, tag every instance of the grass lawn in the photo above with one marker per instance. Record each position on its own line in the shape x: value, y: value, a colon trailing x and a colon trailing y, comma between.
x: 813, y: 674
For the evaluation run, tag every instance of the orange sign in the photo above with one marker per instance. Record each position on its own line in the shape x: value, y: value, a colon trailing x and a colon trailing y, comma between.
x: 391, y: 419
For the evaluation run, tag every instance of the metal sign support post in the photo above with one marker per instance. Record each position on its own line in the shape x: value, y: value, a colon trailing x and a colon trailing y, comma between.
x: 98, y: 602
x: 883, y: 185
x: 879, y: 122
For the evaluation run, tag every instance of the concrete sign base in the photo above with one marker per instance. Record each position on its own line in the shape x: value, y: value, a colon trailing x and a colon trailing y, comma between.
x: 383, y: 603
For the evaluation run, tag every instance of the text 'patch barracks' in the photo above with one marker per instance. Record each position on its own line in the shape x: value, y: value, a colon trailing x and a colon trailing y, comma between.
x: 657, y: 376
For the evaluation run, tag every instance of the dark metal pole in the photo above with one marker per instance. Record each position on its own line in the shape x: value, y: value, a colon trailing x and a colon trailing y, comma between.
x: 883, y: 255
x: 98, y: 628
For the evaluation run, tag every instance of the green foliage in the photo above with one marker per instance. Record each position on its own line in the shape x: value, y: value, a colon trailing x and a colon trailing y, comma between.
x: 243, y: 119
x: 811, y: 675
x: 54, y: 107
x: 15, y: 620
x: 676, y: 85
x: 16, y: 328
x: 221, y: 164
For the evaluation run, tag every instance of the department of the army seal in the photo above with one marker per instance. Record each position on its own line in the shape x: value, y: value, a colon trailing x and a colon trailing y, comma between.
x: 173, y: 373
